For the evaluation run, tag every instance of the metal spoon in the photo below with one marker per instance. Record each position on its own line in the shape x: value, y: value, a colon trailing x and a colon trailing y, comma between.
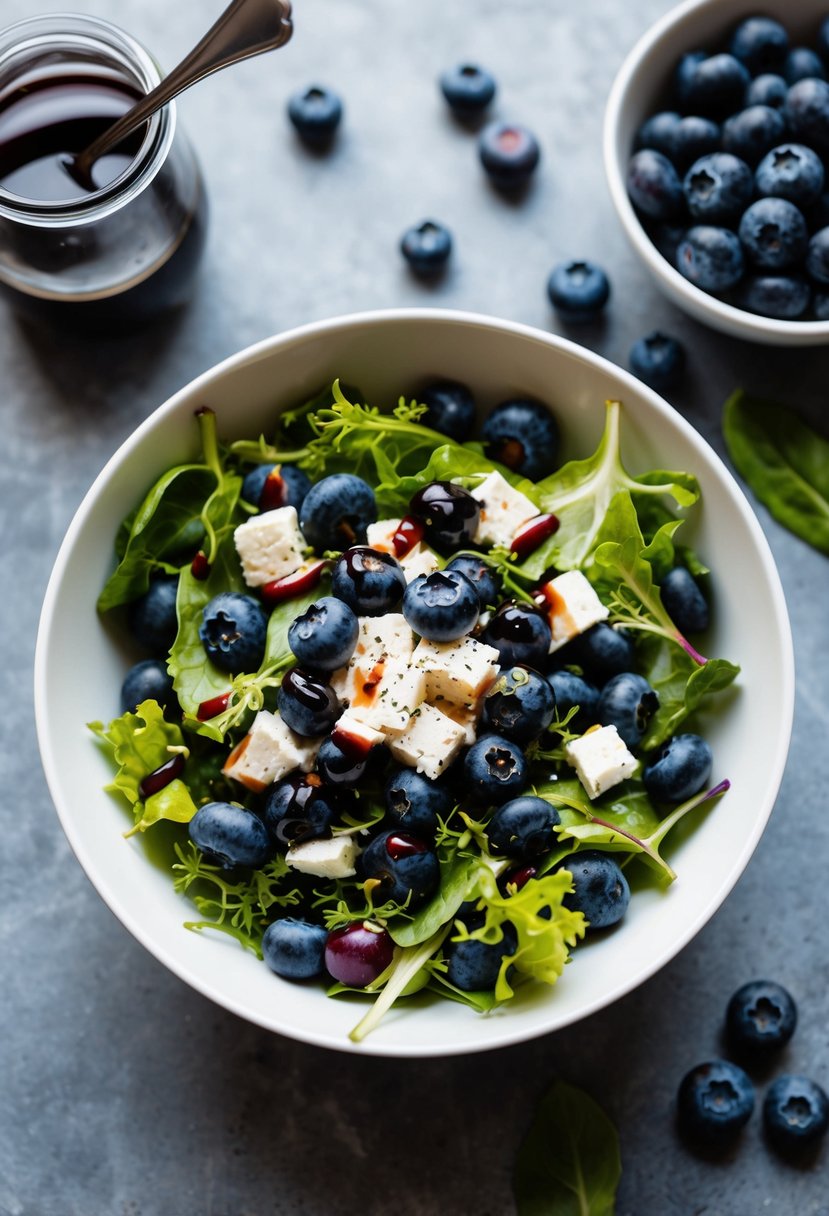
x: 245, y: 28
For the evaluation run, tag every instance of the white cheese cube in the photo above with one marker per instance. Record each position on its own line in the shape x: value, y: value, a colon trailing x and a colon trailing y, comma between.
x: 380, y: 638
x: 380, y: 535
x: 459, y: 672
x: 572, y: 607
x: 269, y: 545
x: 332, y: 858
x: 503, y: 510
x: 430, y: 743
x: 389, y: 703
x: 419, y: 560
x: 357, y: 733
x: 269, y: 751
x: 600, y: 758
x: 466, y: 716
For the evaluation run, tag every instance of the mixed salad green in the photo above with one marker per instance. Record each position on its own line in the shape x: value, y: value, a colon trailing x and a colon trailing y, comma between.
x: 620, y: 530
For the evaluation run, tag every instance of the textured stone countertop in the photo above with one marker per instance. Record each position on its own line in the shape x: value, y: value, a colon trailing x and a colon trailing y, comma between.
x: 124, y: 1092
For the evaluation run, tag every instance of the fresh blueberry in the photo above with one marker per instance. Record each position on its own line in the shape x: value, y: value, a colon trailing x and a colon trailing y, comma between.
x: 472, y: 965
x: 658, y: 360
x: 520, y: 634
x: 308, y: 706
x: 231, y: 835
x: 803, y: 63
x: 233, y: 631
x: 714, y: 1101
x: 276, y: 485
x: 343, y: 768
x: 820, y: 305
x: 509, y: 153
x: 710, y: 257
x: 426, y: 246
x: 666, y: 238
x: 807, y: 113
x: 628, y: 702
x: 522, y: 434
x: 325, y: 634
x: 791, y: 171
x: 760, y: 43
x: 358, y: 953
x: 152, y: 617
x: 468, y: 89
x: 315, y: 112
x: 684, y: 72
x: 406, y: 866
x: 368, y: 581
x: 295, y: 949
x: 785, y: 297
x: 523, y: 828
x: 442, y: 606
x: 654, y: 186
x: 768, y: 89
x: 684, y: 601
x: 520, y: 704
x: 761, y: 1017
x: 679, y: 769
x: 571, y: 690
x: 495, y: 770
x: 718, y: 187
x: 601, y: 651
x: 658, y: 132
x: 450, y: 408
x: 600, y: 889
x: 449, y: 514
x: 817, y: 257
x: 480, y: 575
x: 753, y: 132
x: 795, y: 1112
x: 299, y: 808
x: 715, y: 86
x: 336, y: 512
x: 147, y: 681
x: 773, y: 233
x: 415, y: 803
x: 695, y: 137
x: 578, y: 290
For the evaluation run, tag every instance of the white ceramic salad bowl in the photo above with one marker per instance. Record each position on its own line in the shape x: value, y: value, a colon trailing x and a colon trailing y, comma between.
x: 80, y: 666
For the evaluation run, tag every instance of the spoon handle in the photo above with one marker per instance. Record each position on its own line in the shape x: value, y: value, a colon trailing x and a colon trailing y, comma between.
x: 245, y: 28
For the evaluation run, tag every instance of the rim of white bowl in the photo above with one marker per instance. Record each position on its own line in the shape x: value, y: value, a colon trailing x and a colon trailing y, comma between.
x: 501, y: 1035
x: 704, y: 307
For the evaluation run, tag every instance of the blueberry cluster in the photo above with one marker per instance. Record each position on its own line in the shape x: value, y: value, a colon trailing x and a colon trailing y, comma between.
x: 731, y: 181
x: 716, y: 1099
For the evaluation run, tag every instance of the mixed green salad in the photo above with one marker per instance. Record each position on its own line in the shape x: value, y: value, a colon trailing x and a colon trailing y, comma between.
x: 510, y: 905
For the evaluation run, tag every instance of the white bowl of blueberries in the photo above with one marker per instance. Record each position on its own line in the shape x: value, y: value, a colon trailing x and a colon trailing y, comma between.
x: 716, y: 147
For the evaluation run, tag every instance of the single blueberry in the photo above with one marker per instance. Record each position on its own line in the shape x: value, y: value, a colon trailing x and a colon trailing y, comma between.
x: 795, y: 1112
x: 760, y: 43
x: 684, y: 601
x: 817, y: 256
x: 773, y: 233
x: 753, y: 132
x: 523, y: 828
x: 442, y: 606
x: 666, y: 238
x: 768, y: 89
x: 449, y: 514
x: 807, y: 113
x: 509, y: 153
x: 654, y: 186
x: 336, y: 512
x: 233, y: 630
x: 785, y: 297
x: 343, y: 769
x: 679, y: 769
x: 495, y: 770
x: 368, y: 581
x: 578, y: 290
x: 520, y: 704
x: 415, y: 803
x: 472, y: 965
x: 715, y: 86
x: 658, y: 360
x: 426, y: 246
x: 601, y: 651
x: 600, y: 889
x: 307, y: 705
x: 803, y: 63
x: 468, y: 89
x: 275, y: 485
x: 718, y: 188
x: 520, y: 634
x: 406, y: 866
x: 147, y: 681
x: 295, y: 949
x: 658, y: 132
x: 761, y: 1016
x: 684, y: 72
x: 791, y: 171
x: 481, y: 576
x: 628, y: 702
x: 714, y: 1101
x: 450, y: 408
x: 325, y: 634
x: 523, y: 434
x: 231, y: 835
x: 316, y: 113
x: 710, y: 257
x: 695, y: 137
x: 570, y: 691
x: 152, y: 617
x: 298, y: 808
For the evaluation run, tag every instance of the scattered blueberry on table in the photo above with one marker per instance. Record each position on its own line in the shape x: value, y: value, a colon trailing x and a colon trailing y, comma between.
x: 715, y: 1101
x: 468, y: 89
x: 426, y: 247
x: 761, y: 1017
x: 316, y: 113
x: 795, y: 1113
x: 509, y: 153
x: 658, y: 360
x: 578, y: 290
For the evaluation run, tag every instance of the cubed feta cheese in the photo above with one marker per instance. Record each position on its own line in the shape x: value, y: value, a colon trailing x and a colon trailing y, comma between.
x: 270, y: 750
x: 503, y: 510
x: 356, y: 733
x: 419, y: 560
x: 430, y: 743
x: 388, y: 700
x: 332, y: 858
x: 380, y: 638
x: 466, y: 716
x: 459, y: 672
x: 600, y: 758
x: 572, y: 607
x: 269, y: 545
x: 380, y: 535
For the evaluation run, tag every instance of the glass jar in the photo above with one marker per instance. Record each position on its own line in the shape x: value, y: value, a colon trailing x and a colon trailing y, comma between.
x: 129, y: 248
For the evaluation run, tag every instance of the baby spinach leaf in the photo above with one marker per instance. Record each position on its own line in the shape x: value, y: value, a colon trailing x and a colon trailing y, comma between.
x: 568, y: 1163
x: 785, y: 463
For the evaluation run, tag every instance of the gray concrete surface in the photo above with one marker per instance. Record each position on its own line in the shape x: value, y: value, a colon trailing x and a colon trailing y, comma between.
x: 123, y: 1092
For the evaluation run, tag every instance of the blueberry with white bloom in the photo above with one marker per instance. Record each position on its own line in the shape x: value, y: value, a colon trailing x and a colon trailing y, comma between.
x: 753, y: 132
x: 523, y: 828
x: 231, y: 835
x: 679, y: 769
x: 148, y: 680
x: 710, y: 257
x: 654, y: 185
x: 233, y: 630
x: 442, y: 606
x: 791, y: 171
x: 768, y: 89
x: 795, y: 1112
x: 578, y: 290
x: 802, y: 63
x: 714, y: 1101
x: 718, y: 188
x: 295, y: 949
x: 494, y: 770
x: 325, y: 634
x: 426, y: 246
x: 414, y: 802
x: 468, y: 89
x: 783, y: 296
x: 773, y: 233
x: 807, y: 113
x: 336, y: 512
x: 657, y: 359
x: 520, y: 704
x: 600, y: 889
x: 628, y: 702
x: 761, y: 43
x: 473, y: 965
x: 574, y: 692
